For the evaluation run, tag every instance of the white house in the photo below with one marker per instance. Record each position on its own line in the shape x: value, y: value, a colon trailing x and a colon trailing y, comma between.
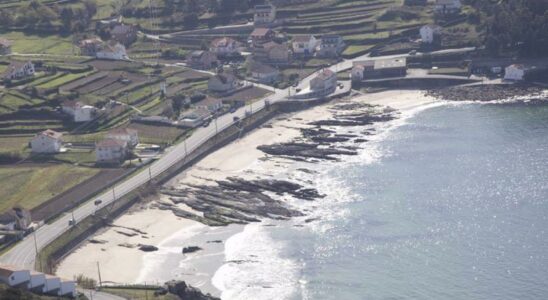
x: 331, y: 45
x: 13, y: 276
x: 211, y: 104
x: 79, y: 111
x: 263, y: 73
x: 325, y: 83
x: 52, y: 284
x: 515, y: 72
x: 47, y: 141
x: 5, y: 47
x: 37, y: 279
x: 224, y: 46
x: 85, y: 113
x: 131, y: 136
x: 67, y: 288
x: 430, y: 33
x: 264, y: 14
x: 110, y: 151
x: 222, y: 83
x: 304, y: 45
x: 69, y: 107
x: 19, y: 69
x: 112, y: 51
x: 194, y: 118
x: 447, y: 6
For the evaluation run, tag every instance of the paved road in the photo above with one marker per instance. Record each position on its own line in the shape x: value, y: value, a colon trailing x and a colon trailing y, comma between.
x: 23, y: 254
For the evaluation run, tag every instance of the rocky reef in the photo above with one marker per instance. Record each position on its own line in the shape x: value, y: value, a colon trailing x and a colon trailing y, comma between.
x: 187, y: 292
x: 487, y: 92
x: 241, y: 201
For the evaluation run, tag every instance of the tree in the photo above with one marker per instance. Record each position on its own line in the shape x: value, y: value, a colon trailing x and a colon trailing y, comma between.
x: 66, y: 18
x: 190, y: 21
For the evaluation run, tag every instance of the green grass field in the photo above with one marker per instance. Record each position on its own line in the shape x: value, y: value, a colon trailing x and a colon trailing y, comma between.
x: 31, y: 186
x: 40, y: 44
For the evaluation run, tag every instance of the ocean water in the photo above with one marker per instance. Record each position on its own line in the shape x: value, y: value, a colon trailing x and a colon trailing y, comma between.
x: 450, y: 203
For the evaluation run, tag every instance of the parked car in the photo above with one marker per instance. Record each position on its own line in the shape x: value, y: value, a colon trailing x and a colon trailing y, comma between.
x: 232, y: 110
x: 236, y: 119
x: 98, y: 202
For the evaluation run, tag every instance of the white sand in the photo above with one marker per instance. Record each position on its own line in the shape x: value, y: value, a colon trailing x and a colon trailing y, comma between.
x: 240, y: 158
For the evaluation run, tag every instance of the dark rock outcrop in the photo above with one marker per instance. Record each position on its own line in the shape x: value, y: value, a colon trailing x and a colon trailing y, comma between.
x: 187, y: 292
x: 148, y: 248
x: 191, y: 249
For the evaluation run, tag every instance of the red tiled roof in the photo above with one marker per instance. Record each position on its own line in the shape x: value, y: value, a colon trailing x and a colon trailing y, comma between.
x: 52, y: 134
x: 107, y: 143
x: 222, y: 42
x: 260, y: 31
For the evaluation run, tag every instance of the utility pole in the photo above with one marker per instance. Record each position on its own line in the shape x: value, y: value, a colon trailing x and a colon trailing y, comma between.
x: 99, y: 273
x: 36, y: 249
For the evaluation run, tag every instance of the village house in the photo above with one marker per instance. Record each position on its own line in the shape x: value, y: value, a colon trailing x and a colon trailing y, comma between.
x: 16, y: 218
x: 125, y: 34
x: 67, y: 288
x: 379, y: 68
x: 128, y: 135
x: 331, y: 46
x: 90, y: 47
x: 79, y: 111
x: 222, y: 83
x: 112, y: 51
x: 37, y: 280
x: 446, y: 7
x: 272, y: 52
x: 194, y: 118
x: 52, y: 285
x: 224, y: 47
x: 19, y: 70
x: 85, y: 113
x: 202, y: 59
x: 211, y: 104
x: 261, y: 36
x: 13, y: 276
x: 430, y: 34
x: 263, y: 73
x: 324, y: 83
x: 515, y: 72
x: 264, y: 14
x: 111, y: 151
x: 5, y: 47
x: 47, y: 141
x: 304, y: 45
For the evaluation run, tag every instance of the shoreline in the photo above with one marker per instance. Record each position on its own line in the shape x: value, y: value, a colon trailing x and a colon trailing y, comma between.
x: 240, y: 158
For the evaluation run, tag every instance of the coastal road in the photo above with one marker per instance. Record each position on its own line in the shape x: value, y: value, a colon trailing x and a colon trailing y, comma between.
x: 23, y: 254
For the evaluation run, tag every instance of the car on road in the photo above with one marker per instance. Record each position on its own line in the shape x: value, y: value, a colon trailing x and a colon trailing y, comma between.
x: 98, y: 202
x: 206, y: 123
x: 413, y: 52
x: 236, y: 119
x: 71, y: 222
x: 232, y: 110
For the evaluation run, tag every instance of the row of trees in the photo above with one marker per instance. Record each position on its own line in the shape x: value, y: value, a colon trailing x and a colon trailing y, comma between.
x: 36, y: 15
x: 515, y: 26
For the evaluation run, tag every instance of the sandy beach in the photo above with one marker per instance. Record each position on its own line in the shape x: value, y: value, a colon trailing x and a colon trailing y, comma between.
x: 161, y: 228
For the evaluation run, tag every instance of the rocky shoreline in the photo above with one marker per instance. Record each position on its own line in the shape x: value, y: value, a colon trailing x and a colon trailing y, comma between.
x: 485, y: 93
x: 237, y: 200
